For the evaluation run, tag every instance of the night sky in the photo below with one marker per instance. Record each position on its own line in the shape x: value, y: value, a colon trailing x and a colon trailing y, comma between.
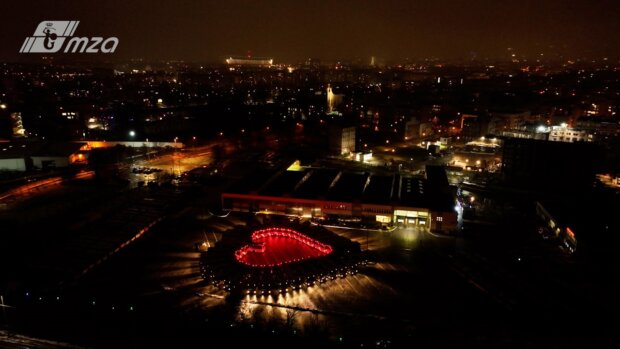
x: 293, y: 30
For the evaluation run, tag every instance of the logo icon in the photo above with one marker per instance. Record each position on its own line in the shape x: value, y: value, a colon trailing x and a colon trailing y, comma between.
x: 51, y: 36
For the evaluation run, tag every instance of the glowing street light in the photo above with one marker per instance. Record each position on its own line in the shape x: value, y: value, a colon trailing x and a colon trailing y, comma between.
x: 132, y: 133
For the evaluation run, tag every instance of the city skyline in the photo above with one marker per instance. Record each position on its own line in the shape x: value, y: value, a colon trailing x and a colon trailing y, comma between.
x: 291, y: 32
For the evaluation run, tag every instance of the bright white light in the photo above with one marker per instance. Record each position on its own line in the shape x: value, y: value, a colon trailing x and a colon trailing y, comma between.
x: 564, y: 125
x: 132, y: 133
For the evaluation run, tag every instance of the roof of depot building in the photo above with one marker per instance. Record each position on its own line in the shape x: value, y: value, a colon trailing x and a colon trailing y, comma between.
x: 328, y: 184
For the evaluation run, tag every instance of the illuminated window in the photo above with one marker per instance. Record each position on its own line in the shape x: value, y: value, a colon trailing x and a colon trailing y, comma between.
x: 410, y: 214
x: 383, y: 219
x: 439, y: 219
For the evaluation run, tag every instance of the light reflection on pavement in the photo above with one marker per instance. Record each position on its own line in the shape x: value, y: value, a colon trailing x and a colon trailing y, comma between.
x: 41, y: 186
x: 361, y: 296
x: 394, y: 291
x: 171, y: 165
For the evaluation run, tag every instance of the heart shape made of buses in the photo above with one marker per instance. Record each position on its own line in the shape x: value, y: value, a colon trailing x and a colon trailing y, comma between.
x: 273, y: 247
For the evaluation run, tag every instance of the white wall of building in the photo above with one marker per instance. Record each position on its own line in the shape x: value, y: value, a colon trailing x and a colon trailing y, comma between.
x: 348, y: 140
x: 58, y: 161
x: 567, y: 134
x: 18, y: 164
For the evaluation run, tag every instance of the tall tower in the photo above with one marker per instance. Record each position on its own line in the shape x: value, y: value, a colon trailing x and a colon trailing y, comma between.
x: 18, y: 126
x: 330, y: 99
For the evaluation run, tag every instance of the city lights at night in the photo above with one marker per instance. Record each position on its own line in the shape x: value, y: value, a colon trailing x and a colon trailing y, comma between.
x: 347, y: 174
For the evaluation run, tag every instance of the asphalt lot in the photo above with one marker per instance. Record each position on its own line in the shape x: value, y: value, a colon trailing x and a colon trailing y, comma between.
x: 410, y: 289
x: 421, y: 289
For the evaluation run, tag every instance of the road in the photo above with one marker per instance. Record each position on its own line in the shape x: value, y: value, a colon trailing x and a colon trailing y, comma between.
x: 18, y: 341
x: 41, y: 185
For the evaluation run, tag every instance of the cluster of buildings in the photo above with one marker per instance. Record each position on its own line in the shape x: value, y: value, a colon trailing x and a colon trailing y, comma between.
x: 526, y: 125
x: 27, y: 156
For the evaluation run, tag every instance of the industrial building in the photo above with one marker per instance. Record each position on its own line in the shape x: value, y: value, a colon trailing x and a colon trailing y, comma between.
x: 349, y: 196
x: 42, y: 156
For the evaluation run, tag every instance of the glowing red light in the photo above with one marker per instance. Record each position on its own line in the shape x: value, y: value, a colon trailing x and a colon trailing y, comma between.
x: 278, y: 246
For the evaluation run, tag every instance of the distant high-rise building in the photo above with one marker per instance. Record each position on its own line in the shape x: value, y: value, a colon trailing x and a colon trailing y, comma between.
x: 18, y: 126
x: 330, y: 99
x: 333, y: 100
x: 342, y: 140
x: 412, y: 129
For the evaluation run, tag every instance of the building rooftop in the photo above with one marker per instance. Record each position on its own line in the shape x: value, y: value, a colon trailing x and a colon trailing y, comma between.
x: 58, y: 149
x: 341, y: 186
x: 251, y: 184
x: 381, y: 189
x: 317, y: 185
x: 412, y: 192
x: 436, y: 176
x: 283, y: 184
x: 349, y: 187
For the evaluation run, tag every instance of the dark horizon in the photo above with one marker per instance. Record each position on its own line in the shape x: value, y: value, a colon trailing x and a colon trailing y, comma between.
x: 347, y: 30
